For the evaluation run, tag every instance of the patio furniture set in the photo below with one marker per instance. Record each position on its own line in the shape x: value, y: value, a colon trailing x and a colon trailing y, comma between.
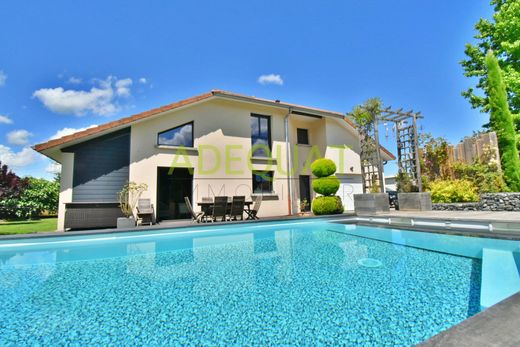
x: 224, y: 208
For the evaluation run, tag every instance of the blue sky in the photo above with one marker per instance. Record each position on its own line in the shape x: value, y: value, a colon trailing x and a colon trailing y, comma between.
x: 68, y: 65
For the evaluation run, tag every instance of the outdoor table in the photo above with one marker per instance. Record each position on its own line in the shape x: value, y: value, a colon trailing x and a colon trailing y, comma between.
x: 208, y: 206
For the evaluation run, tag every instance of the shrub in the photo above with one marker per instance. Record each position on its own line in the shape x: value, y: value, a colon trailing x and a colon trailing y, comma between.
x: 327, y: 205
x: 405, y: 183
x: 445, y: 191
x: 326, y: 185
x: 39, y: 196
x: 323, y: 167
x: 486, y: 177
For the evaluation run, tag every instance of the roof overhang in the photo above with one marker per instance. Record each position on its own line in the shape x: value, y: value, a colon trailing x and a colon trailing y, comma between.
x: 52, y: 148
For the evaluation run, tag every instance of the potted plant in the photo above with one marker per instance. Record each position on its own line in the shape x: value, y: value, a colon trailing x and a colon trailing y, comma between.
x: 303, y: 206
x: 128, y: 197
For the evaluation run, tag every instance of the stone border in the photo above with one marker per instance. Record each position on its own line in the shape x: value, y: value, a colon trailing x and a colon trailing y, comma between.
x: 488, y: 202
x: 496, y: 326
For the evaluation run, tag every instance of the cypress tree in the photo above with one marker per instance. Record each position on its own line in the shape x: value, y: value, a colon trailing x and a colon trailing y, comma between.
x: 501, y: 121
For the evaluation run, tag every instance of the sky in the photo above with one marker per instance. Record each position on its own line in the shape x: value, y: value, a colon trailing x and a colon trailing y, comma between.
x: 68, y: 65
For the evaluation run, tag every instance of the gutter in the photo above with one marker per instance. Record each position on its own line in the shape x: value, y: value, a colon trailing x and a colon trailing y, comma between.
x: 288, y: 160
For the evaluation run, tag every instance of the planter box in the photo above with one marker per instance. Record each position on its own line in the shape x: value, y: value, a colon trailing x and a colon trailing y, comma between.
x: 125, y: 223
x: 371, y: 203
x: 91, y: 215
x: 415, y: 201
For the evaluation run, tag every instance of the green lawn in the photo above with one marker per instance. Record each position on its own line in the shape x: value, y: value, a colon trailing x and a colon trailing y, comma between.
x: 28, y: 226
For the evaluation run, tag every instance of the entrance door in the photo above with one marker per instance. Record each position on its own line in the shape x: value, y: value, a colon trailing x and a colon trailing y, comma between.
x: 171, y: 190
x: 305, y: 190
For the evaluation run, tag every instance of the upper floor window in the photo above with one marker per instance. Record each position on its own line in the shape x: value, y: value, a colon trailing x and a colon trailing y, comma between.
x: 303, y: 136
x: 261, y: 135
x: 178, y: 136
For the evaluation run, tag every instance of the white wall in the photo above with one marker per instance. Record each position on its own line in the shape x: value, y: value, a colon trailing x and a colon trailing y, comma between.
x: 224, y: 126
x: 67, y: 169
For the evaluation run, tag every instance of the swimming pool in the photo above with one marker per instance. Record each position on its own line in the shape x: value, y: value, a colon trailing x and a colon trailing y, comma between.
x: 293, y: 283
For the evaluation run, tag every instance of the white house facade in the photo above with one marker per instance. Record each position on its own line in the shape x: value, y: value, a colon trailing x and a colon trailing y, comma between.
x: 218, y: 143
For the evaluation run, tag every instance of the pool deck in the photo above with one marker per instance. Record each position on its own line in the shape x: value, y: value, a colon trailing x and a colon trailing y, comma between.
x: 168, y: 224
x: 496, y: 326
x: 504, y: 225
x: 484, y: 216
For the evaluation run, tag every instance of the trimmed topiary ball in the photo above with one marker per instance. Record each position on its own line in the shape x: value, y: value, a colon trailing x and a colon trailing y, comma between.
x: 327, y: 205
x: 326, y: 185
x: 323, y: 167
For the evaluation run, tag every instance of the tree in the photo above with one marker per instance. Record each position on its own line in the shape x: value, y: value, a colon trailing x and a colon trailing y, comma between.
x: 434, y: 158
x: 40, y: 195
x: 10, y: 184
x: 501, y: 122
x: 502, y: 35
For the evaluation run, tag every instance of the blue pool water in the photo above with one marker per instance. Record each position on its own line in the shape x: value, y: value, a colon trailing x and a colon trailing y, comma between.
x: 305, y: 283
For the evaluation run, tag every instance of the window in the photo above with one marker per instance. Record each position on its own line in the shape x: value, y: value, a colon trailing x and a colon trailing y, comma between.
x: 179, y: 136
x: 303, y: 136
x: 262, y: 182
x: 261, y: 135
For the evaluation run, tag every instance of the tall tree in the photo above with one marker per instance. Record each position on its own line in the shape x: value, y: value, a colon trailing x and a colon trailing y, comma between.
x: 501, y: 122
x: 502, y: 35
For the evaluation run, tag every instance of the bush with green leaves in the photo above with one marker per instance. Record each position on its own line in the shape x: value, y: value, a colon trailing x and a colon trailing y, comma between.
x: 447, y: 191
x: 405, y: 183
x: 323, y: 167
x: 485, y: 176
x: 327, y: 205
x: 327, y: 185
x: 39, y: 196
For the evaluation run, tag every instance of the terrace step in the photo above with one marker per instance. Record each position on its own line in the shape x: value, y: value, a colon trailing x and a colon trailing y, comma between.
x: 500, y: 276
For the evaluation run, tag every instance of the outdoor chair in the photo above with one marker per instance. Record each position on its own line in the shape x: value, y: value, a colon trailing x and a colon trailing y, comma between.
x: 195, y: 216
x: 207, y: 209
x: 253, y: 213
x: 145, y: 212
x: 220, y: 208
x: 237, y: 208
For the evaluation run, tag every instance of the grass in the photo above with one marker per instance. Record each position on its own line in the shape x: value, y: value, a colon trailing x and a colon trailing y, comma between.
x: 28, y: 226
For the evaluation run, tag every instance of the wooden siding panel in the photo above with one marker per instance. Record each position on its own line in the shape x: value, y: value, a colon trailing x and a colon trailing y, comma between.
x: 101, y: 168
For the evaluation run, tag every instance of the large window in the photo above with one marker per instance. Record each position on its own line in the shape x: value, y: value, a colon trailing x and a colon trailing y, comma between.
x: 179, y: 136
x: 303, y: 136
x: 261, y: 135
x: 262, y: 182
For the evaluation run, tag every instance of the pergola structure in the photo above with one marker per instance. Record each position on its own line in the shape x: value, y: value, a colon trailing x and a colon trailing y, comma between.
x: 407, y: 148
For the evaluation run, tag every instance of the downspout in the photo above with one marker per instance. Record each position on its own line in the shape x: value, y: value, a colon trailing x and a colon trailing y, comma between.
x: 288, y: 160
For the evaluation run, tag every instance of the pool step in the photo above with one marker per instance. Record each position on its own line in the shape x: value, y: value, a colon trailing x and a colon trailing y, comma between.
x: 500, y: 276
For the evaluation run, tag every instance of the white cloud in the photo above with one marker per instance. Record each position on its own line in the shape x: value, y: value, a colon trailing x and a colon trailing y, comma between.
x: 25, y: 157
x: 19, y: 137
x: 74, y: 80
x: 143, y: 80
x: 123, y: 87
x: 53, y: 168
x: 3, y: 78
x: 67, y: 131
x: 5, y: 120
x: 101, y: 99
x: 270, y: 79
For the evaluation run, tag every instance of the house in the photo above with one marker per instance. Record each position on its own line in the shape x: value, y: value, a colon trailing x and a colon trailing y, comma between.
x: 217, y: 143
